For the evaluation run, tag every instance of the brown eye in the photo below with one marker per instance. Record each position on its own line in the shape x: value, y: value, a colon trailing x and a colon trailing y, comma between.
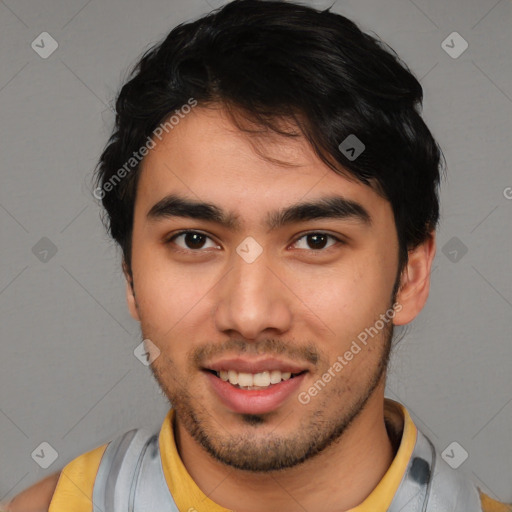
x: 191, y: 240
x: 317, y: 241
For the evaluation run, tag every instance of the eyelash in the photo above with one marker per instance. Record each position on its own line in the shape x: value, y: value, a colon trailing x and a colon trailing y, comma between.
x: 188, y: 231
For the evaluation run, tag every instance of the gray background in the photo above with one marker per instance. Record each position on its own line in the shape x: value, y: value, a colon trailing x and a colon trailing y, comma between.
x: 68, y: 375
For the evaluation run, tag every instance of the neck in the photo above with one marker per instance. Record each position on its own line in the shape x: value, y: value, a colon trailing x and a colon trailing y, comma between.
x: 340, y: 478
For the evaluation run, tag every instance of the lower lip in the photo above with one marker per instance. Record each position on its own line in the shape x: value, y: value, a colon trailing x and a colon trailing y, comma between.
x: 254, y: 401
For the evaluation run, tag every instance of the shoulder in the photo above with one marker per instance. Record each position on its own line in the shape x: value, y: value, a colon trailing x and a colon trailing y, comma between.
x: 36, y: 498
x: 88, y: 473
x: 490, y: 505
x: 68, y: 489
x: 75, y: 486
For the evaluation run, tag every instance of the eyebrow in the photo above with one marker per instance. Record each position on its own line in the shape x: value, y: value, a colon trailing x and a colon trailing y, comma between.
x: 330, y: 207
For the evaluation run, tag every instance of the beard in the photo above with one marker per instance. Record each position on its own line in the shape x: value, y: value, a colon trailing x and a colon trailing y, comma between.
x: 256, y: 447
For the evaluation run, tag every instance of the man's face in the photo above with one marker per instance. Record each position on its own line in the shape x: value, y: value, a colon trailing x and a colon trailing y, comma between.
x: 216, y: 308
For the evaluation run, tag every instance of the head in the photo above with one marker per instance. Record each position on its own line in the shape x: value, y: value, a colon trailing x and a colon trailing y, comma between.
x: 253, y: 241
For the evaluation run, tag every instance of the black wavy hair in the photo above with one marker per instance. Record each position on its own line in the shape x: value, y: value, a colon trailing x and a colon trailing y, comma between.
x: 270, y: 60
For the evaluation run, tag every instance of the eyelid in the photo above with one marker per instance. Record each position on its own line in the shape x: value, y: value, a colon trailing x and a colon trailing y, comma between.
x: 170, y: 238
x: 338, y: 239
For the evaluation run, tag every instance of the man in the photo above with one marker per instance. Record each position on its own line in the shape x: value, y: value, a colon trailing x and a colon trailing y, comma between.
x: 274, y: 191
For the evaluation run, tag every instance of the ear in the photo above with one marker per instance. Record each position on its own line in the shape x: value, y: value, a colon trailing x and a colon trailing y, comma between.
x: 415, y: 281
x: 130, y: 293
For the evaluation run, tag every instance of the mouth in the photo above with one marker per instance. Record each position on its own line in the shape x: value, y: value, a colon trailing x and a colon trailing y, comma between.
x: 248, y: 387
x: 254, y: 381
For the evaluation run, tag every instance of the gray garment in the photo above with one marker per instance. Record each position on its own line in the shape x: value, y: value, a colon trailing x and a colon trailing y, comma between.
x: 130, y: 478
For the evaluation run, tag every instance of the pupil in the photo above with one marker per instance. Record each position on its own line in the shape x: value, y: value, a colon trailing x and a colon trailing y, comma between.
x: 194, y: 240
x: 315, y: 243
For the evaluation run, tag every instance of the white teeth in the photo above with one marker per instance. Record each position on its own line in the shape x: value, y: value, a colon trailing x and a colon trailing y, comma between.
x: 254, y: 380
x: 275, y: 377
x: 244, y: 379
x: 262, y: 379
x: 233, y: 377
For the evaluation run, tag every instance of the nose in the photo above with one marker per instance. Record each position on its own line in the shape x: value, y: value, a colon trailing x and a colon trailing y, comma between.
x: 253, y: 300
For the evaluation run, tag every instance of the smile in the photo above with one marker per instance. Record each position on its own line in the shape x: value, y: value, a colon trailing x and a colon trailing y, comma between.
x: 254, y: 393
x: 254, y: 381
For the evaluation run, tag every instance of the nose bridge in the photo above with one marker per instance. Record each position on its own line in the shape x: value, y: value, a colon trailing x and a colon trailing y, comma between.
x: 251, y: 299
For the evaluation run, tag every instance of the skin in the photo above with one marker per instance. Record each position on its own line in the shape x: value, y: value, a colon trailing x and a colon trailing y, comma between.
x: 294, y: 301
x: 36, y: 498
x: 289, y: 303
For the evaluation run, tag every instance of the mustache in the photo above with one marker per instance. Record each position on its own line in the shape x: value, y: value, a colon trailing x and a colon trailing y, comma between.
x: 269, y: 346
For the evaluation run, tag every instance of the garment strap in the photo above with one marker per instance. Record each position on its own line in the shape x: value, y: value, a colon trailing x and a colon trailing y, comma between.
x: 430, y: 485
x: 130, y: 477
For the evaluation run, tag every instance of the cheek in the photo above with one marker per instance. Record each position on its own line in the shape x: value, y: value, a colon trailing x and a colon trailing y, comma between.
x: 165, y: 293
x: 350, y: 296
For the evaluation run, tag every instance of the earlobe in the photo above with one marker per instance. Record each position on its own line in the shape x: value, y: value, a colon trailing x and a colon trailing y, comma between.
x: 415, y: 281
x: 132, y: 303
x: 130, y: 294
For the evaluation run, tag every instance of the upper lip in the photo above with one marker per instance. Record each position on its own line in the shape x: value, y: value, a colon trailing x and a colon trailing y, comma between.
x: 241, y: 365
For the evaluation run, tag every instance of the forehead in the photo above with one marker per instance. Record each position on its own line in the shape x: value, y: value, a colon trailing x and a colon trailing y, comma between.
x: 206, y: 157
